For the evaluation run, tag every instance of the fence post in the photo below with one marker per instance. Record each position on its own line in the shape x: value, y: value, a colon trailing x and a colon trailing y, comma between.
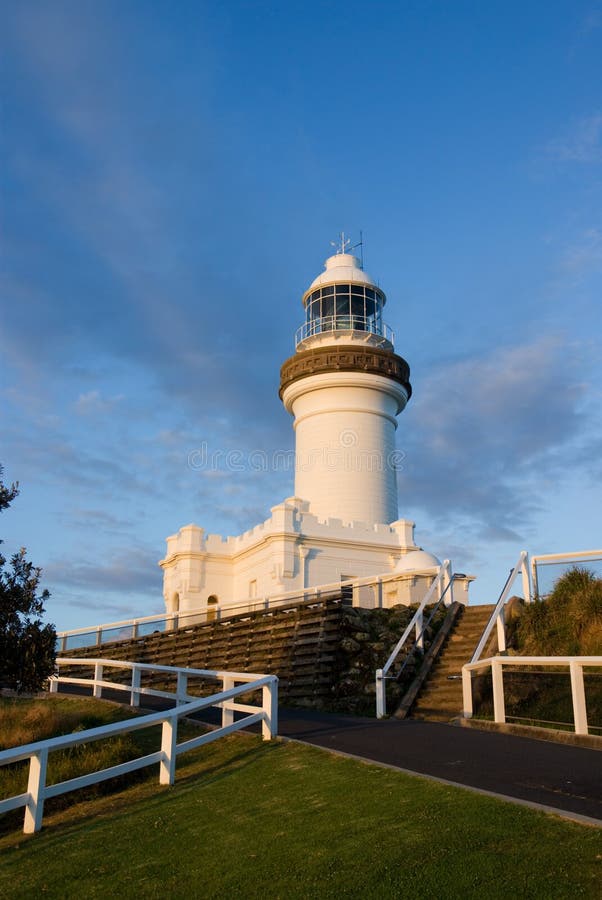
x: 526, y: 580
x: 450, y: 585
x: 135, y: 692
x: 227, y: 714
x: 97, y: 689
x: 499, y: 709
x: 269, y: 725
x: 578, y: 693
x: 534, y: 579
x: 34, y: 810
x: 419, y: 632
x: 501, y: 631
x: 169, y: 737
x: 381, y: 697
x: 181, y: 688
x: 467, y: 693
x: 99, y: 636
x: 134, y: 630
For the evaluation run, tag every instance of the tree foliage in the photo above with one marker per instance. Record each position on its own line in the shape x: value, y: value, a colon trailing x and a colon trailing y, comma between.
x: 27, y: 645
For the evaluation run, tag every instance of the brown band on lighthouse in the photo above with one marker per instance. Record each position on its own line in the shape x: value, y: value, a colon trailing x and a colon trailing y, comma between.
x: 350, y: 358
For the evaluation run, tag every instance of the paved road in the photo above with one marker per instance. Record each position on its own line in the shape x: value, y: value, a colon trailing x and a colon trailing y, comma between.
x: 560, y: 777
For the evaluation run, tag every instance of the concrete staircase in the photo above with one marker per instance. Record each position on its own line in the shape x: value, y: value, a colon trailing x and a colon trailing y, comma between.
x: 440, y: 700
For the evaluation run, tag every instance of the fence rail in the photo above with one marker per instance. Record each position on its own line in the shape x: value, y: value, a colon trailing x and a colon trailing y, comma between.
x: 226, y: 699
x: 578, y: 557
x: 130, y: 629
x: 497, y: 664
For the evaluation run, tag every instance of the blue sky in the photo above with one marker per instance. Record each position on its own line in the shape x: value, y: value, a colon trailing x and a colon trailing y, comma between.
x: 172, y: 175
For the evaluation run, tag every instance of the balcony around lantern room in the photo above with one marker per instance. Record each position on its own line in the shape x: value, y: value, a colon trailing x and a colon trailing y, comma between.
x: 344, y: 313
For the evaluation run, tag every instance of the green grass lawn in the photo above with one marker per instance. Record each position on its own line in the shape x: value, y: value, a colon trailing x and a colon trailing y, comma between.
x: 250, y: 819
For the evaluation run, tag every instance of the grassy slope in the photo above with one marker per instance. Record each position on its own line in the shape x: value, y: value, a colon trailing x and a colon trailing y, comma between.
x: 247, y: 819
x: 25, y: 720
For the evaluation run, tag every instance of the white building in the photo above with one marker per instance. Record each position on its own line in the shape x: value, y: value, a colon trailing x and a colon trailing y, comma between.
x: 345, y: 387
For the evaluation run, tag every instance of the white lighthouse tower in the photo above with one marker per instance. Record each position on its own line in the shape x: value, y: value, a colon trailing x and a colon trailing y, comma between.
x: 345, y: 386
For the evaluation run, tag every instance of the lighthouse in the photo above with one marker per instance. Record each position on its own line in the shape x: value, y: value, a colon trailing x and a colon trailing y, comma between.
x: 345, y: 387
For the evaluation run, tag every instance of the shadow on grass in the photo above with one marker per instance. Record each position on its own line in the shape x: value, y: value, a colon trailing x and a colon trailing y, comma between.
x: 192, y: 772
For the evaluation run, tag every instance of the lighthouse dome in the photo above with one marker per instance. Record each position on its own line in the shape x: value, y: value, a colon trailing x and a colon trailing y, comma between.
x: 416, y: 561
x: 342, y: 268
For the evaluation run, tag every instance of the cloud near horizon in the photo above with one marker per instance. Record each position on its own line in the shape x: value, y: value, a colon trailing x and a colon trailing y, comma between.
x: 483, y: 434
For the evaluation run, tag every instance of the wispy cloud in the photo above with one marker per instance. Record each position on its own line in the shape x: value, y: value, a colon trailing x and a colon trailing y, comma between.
x: 581, y: 144
x: 482, y: 431
x: 585, y: 253
x: 131, y: 571
x: 93, y: 403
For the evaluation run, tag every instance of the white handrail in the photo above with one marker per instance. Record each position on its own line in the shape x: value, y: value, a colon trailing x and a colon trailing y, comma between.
x: 344, y: 324
x: 252, y: 605
x: 497, y: 664
x: 550, y: 559
x: 497, y: 616
x: 414, y: 623
x: 37, y: 789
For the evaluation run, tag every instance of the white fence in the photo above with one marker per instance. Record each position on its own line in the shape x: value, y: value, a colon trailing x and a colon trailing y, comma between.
x: 129, y: 629
x: 233, y: 685
x: 416, y: 624
x: 497, y: 664
x: 555, y: 560
x: 529, y: 590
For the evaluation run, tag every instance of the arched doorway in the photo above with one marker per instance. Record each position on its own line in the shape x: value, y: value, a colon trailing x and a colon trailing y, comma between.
x: 212, y: 603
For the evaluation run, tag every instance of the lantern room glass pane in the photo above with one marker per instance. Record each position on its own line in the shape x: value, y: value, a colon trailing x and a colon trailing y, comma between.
x: 342, y: 306
x: 357, y: 307
x: 327, y: 306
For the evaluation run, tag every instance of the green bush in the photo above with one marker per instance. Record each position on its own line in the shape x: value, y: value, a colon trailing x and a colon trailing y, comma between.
x: 567, y: 623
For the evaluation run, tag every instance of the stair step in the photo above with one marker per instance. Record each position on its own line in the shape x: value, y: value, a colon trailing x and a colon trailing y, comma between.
x: 439, y: 694
x: 440, y: 699
x: 436, y: 714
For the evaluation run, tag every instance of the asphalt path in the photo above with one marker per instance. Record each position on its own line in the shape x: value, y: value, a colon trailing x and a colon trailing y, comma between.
x: 559, y: 777
x: 556, y: 777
